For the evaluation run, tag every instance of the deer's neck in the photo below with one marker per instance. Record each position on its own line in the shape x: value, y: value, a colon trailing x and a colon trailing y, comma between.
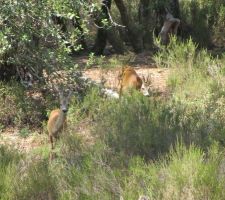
x: 61, y: 119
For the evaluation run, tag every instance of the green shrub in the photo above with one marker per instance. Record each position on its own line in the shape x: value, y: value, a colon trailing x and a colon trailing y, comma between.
x: 185, y: 173
x: 137, y: 125
x: 24, y: 132
x: 134, y: 125
x: 196, y: 84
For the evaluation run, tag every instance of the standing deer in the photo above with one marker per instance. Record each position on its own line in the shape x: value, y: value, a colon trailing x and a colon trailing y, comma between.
x: 57, y: 119
x: 129, y: 79
x: 170, y: 27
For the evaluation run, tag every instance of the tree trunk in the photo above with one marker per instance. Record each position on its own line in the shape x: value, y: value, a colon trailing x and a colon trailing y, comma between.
x: 101, y: 38
x: 147, y: 23
x: 134, y: 33
x: 100, y: 41
x: 115, y: 40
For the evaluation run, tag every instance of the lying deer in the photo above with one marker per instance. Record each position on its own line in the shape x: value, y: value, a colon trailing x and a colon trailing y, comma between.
x: 57, y: 119
x: 129, y: 79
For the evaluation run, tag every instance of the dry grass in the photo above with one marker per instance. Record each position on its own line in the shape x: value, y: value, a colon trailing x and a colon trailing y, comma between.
x: 11, y: 137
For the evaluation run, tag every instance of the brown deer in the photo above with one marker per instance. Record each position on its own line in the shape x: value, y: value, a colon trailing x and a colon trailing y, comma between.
x: 129, y: 79
x: 169, y: 28
x: 57, y: 119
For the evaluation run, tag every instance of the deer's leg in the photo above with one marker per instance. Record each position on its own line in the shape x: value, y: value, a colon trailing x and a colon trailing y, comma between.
x: 51, y: 141
x: 120, y: 91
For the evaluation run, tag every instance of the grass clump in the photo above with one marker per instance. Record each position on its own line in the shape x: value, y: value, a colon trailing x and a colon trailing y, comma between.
x: 35, y: 182
x: 76, y: 172
x: 87, y: 107
x: 24, y: 132
x: 22, y: 178
x: 133, y: 126
x: 82, y: 173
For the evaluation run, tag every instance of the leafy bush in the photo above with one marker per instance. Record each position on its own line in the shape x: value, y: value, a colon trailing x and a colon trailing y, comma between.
x: 29, y: 39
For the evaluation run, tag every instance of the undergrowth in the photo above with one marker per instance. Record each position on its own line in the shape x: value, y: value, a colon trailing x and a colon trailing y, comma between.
x: 164, y: 148
x: 18, y: 108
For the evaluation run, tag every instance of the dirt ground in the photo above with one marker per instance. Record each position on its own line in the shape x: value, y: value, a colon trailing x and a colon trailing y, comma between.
x: 11, y: 137
x: 156, y: 80
x: 155, y: 77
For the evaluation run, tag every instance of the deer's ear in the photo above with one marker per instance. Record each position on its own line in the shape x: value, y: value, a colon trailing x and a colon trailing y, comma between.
x: 143, y: 78
x: 69, y: 94
x: 60, y: 92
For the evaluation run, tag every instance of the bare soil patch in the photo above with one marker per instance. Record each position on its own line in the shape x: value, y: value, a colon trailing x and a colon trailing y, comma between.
x: 157, y: 77
x: 11, y: 137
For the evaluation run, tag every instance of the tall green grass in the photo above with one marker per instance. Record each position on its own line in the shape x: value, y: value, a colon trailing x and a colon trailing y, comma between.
x: 9, y: 160
x: 184, y: 173
x: 76, y: 172
x: 87, y: 173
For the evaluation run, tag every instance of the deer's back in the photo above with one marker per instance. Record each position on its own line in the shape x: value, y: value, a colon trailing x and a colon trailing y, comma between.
x: 131, y: 80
